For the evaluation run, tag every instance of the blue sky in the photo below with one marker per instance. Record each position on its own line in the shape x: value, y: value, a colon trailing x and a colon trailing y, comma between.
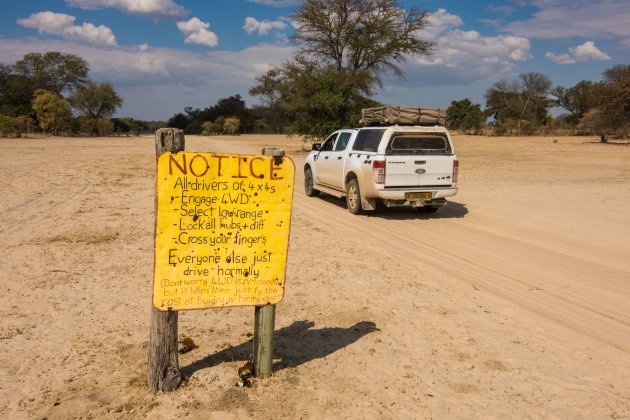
x: 164, y: 55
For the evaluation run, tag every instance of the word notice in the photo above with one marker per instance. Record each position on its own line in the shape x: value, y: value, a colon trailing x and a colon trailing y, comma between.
x: 222, y: 230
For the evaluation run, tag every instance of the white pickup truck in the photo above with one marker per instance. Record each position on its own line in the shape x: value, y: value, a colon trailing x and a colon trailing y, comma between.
x: 392, y: 166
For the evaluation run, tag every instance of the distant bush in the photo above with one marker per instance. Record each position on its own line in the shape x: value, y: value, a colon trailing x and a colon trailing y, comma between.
x: 231, y: 125
x: 15, y: 126
x: 6, y: 125
x: 95, y: 126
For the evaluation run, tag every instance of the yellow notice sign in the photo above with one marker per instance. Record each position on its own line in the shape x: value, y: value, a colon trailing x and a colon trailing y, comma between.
x: 222, y: 230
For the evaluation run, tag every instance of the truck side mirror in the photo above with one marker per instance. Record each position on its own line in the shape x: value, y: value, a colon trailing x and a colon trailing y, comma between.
x: 316, y: 146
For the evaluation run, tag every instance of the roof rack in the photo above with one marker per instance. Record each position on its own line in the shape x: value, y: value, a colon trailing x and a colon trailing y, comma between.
x: 402, y: 115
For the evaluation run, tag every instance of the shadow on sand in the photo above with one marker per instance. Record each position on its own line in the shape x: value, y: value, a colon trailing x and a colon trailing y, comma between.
x: 294, y: 345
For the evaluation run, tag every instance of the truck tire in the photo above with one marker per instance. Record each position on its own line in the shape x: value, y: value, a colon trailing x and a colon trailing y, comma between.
x: 353, y: 197
x: 308, y: 183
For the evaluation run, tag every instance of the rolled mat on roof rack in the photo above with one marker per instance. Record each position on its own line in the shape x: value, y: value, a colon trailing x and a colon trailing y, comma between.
x: 389, y: 114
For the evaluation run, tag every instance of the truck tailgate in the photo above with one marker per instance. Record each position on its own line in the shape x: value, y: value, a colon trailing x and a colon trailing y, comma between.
x: 418, y: 171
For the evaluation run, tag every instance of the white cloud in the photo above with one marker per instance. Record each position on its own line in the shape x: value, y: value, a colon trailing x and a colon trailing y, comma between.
x: 197, y: 32
x: 439, y: 22
x: 560, y: 59
x: 263, y: 28
x: 63, y: 25
x: 561, y: 19
x: 580, y: 54
x: 587, y: 52
x: 494, y: 23
x: 162, y: 8
x: 99, y: 35
x: 501, y: 10
x: 471, y: 52
x: 48, y: 22
x: 464, y: 56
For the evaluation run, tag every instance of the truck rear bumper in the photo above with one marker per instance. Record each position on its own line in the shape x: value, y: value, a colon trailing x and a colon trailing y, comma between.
x: 398, y: 195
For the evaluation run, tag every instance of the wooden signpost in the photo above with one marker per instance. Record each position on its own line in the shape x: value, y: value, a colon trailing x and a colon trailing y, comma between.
x: 222, y: 231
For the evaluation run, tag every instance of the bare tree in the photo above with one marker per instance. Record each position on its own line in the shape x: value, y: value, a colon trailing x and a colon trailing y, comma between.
x: 360, y: 35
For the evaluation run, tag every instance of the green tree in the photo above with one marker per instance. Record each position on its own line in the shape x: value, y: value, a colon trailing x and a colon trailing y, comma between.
x: 178, y: 120
x: 54, y: 71
x: 53, y: 112
x: 465, y: 116
x: 576, y: 100
x: 317, y: 100
x: 345, y: 47
x: 16, y: 92
x: 520, y: 104
x: 95, y: 102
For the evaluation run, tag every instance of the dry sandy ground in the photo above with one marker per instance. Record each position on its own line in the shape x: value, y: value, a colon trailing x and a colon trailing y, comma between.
x: 512, y: 302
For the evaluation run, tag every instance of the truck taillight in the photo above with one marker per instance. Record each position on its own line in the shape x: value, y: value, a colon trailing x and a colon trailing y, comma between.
x: 455, y: 171
x: 378, y: 171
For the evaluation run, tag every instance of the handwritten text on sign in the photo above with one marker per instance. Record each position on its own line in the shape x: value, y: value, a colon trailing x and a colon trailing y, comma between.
x: 222, y: 230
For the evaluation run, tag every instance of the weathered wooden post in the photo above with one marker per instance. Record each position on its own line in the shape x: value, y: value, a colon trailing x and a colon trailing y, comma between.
x: 265, y: 319
x: 264, y: 325
x: 163, y: 370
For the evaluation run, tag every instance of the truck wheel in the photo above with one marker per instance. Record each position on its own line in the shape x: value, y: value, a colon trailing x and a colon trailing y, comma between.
x: 353, y: 198
x: 428, y: 209
x: 308, y: 183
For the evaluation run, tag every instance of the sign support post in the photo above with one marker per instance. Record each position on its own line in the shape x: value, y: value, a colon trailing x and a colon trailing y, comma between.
x: 163, y: 372
x: 264, y: 325
x: 265, y: 319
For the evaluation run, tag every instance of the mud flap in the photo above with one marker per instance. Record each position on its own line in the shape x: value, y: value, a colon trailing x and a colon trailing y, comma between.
x: 368, y: 204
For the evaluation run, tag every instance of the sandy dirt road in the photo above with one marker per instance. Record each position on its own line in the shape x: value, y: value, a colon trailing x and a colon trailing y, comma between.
x: 513, y: 301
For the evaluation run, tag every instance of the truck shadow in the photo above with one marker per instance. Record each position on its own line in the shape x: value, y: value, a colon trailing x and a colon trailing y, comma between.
x: 294, y: 345
x: 453, y: 210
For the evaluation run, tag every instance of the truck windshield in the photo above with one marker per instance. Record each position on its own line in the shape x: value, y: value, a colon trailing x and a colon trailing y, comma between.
x: 418, y: 144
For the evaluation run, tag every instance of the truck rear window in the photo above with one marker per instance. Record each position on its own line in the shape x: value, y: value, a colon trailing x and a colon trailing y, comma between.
x: 418, y: 144
x: 368, y: 140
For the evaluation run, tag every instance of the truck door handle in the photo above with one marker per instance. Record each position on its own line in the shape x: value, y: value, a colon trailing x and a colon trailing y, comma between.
x: 325, y: 157
x: 339, y: 158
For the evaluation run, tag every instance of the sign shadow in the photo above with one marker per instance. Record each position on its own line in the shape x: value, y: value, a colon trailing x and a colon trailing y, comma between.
x: 294, y: 345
